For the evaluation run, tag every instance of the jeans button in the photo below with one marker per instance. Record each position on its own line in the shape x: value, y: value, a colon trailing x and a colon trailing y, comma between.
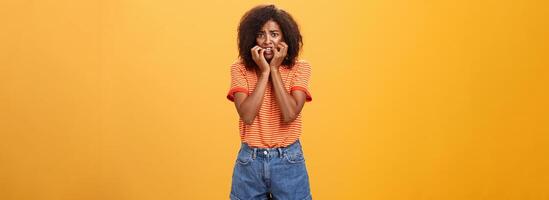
x: 265, y: 152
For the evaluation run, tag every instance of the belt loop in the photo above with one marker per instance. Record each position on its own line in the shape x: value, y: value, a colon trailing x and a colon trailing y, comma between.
x: 279, y: 152
x: 254, y: 153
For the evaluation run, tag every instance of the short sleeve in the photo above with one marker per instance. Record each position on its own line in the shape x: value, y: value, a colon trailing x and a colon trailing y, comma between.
x: 301, y: 78
x: 238, y: 81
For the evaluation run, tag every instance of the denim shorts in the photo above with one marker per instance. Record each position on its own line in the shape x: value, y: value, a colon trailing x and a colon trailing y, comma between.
x: 270, y: 173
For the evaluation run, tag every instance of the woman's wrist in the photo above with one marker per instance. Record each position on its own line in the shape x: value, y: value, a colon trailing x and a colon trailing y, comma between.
x: 265, y: 73
x: 274, y: 69
x: 274, y: 73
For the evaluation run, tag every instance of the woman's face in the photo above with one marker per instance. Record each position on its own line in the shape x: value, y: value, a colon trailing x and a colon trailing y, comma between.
x: 268, y: 37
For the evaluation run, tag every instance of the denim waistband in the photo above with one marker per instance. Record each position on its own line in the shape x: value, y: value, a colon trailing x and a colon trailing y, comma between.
x: 270, y: 152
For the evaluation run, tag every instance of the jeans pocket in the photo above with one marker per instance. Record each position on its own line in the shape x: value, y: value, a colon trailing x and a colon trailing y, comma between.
x: 243, y: 157
x: 294, y: 157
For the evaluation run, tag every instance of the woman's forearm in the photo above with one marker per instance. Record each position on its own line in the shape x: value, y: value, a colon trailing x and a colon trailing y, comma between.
x: 249, y: 107
x: 287, y: 104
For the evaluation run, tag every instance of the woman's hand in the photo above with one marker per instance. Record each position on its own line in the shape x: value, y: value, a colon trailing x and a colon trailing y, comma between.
x: 280, y: 52
x: 258, y: 55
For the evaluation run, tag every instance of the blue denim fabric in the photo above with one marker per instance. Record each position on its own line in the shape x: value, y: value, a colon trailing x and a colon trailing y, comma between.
x: 270, y: 173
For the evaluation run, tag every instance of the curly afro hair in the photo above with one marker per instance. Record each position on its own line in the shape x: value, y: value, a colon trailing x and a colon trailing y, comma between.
x: 251, y: 23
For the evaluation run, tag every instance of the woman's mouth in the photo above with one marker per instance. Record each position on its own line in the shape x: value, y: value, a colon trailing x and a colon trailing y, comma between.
x: 268, y: 50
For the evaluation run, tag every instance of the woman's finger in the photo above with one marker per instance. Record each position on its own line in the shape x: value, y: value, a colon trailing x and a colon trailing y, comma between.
x: 282, y: 48
x: 255, y: 51
x: 252, y: 50
x: 285, y: 48
x: 275, y: 49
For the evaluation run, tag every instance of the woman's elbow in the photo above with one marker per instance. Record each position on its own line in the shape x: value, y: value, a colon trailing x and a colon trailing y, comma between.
x: 248, y: 120
x: 289, y: 118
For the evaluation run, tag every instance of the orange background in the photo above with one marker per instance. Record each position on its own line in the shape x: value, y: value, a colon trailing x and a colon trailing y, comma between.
x: 411, y: 99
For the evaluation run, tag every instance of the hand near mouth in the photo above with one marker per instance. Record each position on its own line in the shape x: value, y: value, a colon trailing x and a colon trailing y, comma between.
x: 280, y: 52
x: 258, y: 55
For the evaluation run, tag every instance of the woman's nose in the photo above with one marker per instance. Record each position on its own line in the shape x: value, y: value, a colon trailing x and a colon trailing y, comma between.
x: 268, y: 40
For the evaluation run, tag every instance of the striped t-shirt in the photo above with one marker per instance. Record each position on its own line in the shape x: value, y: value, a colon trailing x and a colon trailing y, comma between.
x: 268, y: 130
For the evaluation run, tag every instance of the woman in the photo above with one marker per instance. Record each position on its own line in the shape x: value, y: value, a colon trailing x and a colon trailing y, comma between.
x: 269, y: 87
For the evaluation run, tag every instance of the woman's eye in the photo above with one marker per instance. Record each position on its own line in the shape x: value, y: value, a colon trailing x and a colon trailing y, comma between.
x: 274, y: 34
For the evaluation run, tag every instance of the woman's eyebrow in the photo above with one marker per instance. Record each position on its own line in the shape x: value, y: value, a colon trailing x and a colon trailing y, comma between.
x: 274, y: 31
